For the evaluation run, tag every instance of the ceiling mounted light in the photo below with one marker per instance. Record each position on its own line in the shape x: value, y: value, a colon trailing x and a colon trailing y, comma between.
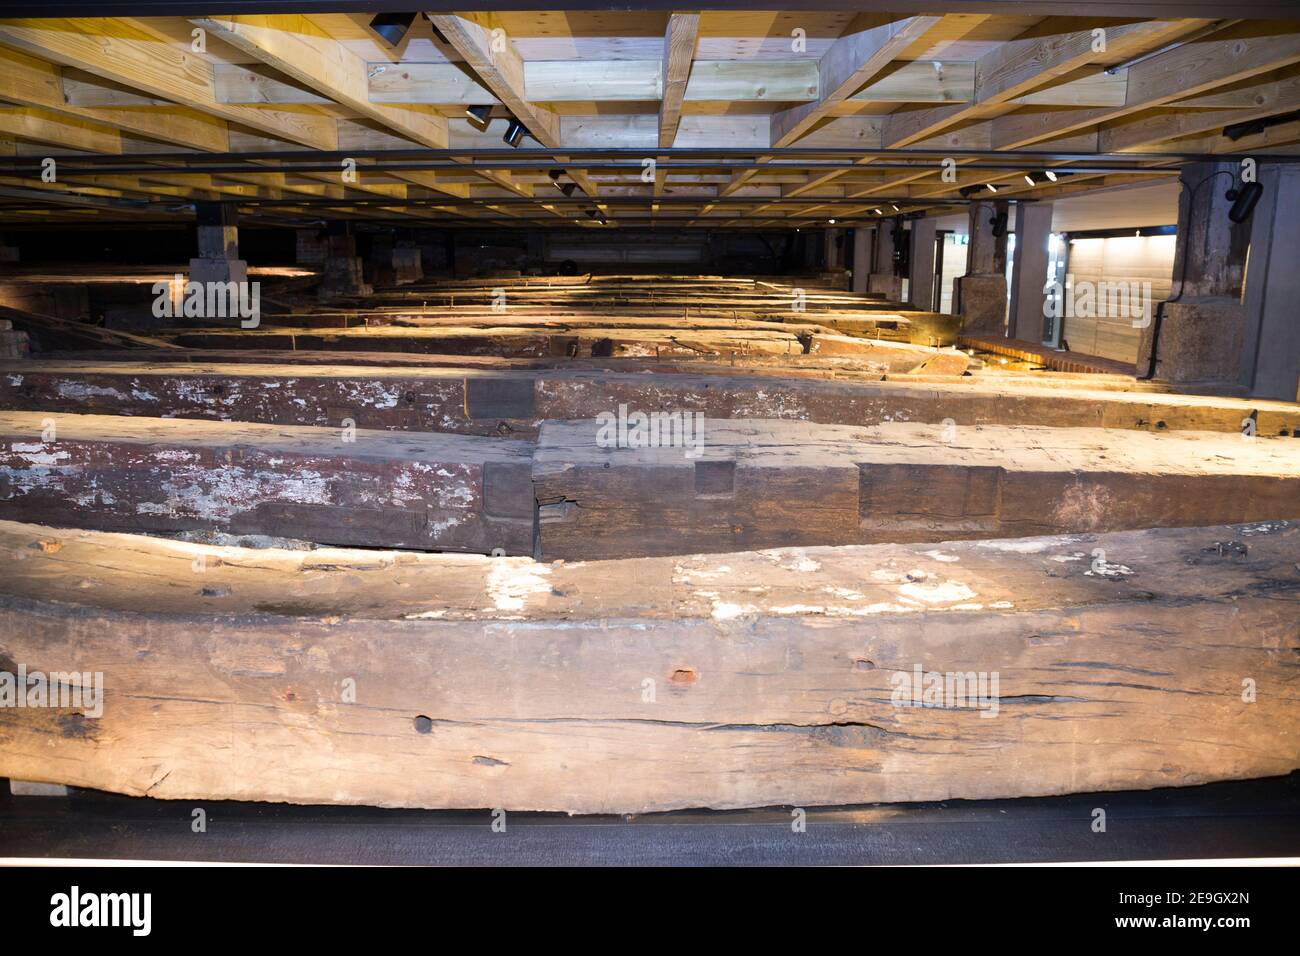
x: 555, y: 173
x: 480, y: 116
x: 567, y: 188
x: 990, y: 187
x: 514, y: 133
x: 1029, y: 178
x: 894, y: 206
x: 968, y: 191
x: 392, y: 27
x: 877, y: 212
x: 831, y: 221
x: 1050, y: 175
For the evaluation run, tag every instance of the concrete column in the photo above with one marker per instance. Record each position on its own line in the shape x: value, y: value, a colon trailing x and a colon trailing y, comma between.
x: 343, y: 272
x: 921, y: 280
x: 1270, y: 358
x: 883, y: 280
x: 309, y: 247
x: 218, y: 241
x: 981, y: 294
x: 1199, y: 336
x: 832, y: 249
x: 407, y: 264
x: 807, y: 241
x: 1029, y: 271
x: 862, y: 242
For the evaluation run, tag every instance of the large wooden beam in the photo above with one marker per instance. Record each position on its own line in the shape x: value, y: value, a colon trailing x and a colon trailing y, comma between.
x: 294, y: 45
x: 705, y: 485
x: 28, y: 81
x: 1196, y: 68
x: 679, y: 50
x: 1014, y: 69
x: 334, y: 485
x: 787, y: 677
x: 516, y: 402
x: 852, y: 61
x: 126, y: 53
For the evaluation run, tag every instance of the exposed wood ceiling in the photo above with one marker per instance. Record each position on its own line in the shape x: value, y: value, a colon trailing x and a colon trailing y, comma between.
x: 141, y: 118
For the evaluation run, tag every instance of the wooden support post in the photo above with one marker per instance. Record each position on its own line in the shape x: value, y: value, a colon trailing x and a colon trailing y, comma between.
x: 1029, y: 271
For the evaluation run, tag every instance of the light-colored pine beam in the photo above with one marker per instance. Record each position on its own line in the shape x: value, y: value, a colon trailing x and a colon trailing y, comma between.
x: 28, y: 81
x: 1019, y: 67
x: 853, y: 60
x: 680, y: 40
x: 1179, y: 75
x: 294, y: 45
x: 125, y: 52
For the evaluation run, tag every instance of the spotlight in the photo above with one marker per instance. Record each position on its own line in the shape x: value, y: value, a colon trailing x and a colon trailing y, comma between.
x: 990, y: 187
x: 894, y: 206
x: 968, y: 191
x: 567, y: 188
x: 514, y: 133
x: 392, y: 27
x: 1244, y: 199
x: 1029, y: 178
x: 1050, y: 175
x: 480, y: 116
x: 877, y: 212
x: 591, y: 213
x: 831, y: 221
x: 1237, y: 131
x: 555, y: 173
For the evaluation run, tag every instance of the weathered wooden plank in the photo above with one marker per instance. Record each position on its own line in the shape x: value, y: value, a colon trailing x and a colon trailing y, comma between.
x: 707, y: 485
x: 337, y: 485
x: 730, y: 681
x: 514, y: 402
x: 525, y: 341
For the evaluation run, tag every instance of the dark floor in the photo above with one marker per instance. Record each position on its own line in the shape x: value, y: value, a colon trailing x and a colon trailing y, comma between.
x: 1250, y: 819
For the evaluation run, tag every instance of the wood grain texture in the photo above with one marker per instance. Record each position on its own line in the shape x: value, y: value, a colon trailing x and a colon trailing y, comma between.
x: 793, y: 483
x: 478, y: 401
x: 773, y: 672
x: 372, y: 488
x: 679, y: 50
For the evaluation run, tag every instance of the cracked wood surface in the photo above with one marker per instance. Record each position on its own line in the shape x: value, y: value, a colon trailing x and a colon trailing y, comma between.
x: 363, y: 487
x: 740, y: 484
x: 514, y: 402
x: 773, y: 671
